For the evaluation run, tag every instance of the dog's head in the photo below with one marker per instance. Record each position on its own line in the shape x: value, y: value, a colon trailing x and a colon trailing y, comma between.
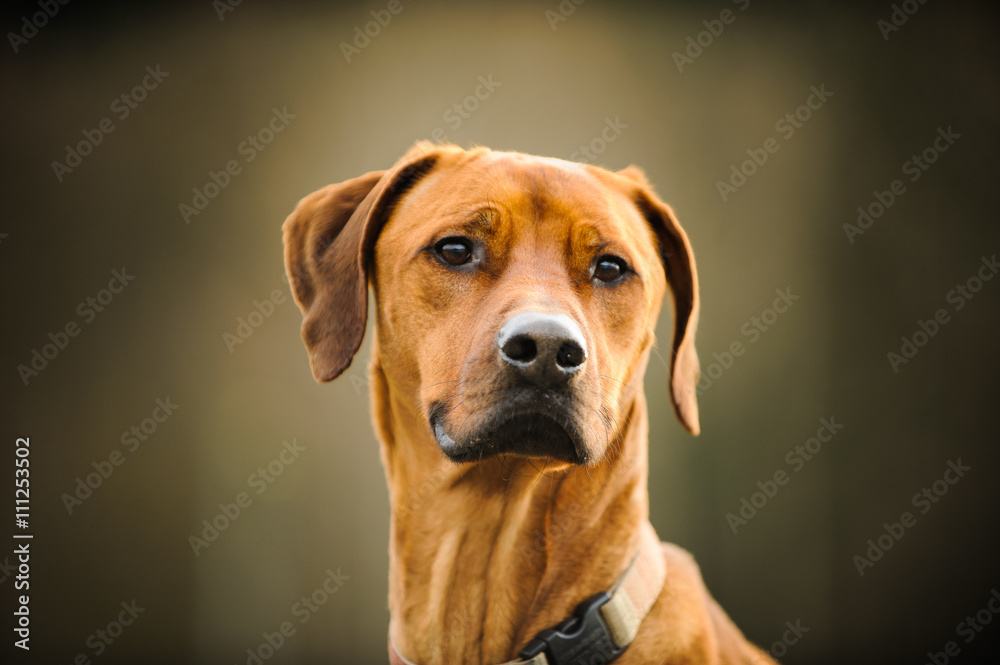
x: 516, y: 296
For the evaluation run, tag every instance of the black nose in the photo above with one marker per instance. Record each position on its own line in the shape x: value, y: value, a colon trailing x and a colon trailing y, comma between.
x: 544, y: 349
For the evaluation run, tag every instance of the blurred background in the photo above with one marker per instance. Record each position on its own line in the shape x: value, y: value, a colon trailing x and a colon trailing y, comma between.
x: 154, y: 406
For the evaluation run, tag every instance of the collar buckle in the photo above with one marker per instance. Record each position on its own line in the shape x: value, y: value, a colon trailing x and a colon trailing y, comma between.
x: 576, y: 640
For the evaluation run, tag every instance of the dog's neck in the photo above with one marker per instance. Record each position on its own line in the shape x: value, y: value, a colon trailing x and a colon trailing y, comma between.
x: 484, y: 556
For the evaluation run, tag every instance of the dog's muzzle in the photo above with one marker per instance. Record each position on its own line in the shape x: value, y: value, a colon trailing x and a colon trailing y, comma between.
x: 535, y: 411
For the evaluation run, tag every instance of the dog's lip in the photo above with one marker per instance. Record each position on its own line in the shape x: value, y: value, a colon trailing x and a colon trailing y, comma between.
x: 448, y: 444
x: 532, y: 418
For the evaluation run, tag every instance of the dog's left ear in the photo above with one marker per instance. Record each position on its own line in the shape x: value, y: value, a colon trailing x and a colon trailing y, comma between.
x: 329, y: 242
x: 682, y: 277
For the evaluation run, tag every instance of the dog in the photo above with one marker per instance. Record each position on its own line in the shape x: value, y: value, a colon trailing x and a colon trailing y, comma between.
x: 515, y: 300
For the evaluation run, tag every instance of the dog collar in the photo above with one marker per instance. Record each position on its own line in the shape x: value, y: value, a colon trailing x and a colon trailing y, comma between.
x: 603, y: 624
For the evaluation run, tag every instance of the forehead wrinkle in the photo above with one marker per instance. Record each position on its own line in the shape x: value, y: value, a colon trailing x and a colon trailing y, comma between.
x: 588, y: 236
x: 472, y: 213
x: 539, y: 186
x: 544, y: 192
x: 482, y: 190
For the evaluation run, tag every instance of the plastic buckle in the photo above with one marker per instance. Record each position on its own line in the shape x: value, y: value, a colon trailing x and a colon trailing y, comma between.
x: 578, y: 639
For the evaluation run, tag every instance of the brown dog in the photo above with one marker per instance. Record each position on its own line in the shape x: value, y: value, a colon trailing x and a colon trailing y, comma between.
x: 516, y: 299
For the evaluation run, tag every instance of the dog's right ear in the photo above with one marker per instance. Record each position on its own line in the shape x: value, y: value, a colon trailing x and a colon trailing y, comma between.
x: 329, y: 241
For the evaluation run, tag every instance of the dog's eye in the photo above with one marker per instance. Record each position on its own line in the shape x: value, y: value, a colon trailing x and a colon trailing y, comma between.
x: 609, y: 268
x: 454, y: 251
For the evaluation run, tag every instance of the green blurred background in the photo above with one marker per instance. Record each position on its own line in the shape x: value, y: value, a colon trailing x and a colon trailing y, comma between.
x: 560, y: 83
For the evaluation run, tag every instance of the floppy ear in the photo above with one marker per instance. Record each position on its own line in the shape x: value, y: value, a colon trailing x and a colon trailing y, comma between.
x: 682, y: 277
x: 329, y: 240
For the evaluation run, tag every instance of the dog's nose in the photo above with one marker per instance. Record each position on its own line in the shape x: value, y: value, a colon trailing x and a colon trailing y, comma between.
x: 545, y: 349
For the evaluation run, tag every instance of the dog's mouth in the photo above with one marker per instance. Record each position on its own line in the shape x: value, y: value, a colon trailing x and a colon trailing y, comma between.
x: 526, y: 433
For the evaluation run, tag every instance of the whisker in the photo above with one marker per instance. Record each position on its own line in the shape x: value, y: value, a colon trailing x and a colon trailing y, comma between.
x: 439, y: 383
x: 618, y: 381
